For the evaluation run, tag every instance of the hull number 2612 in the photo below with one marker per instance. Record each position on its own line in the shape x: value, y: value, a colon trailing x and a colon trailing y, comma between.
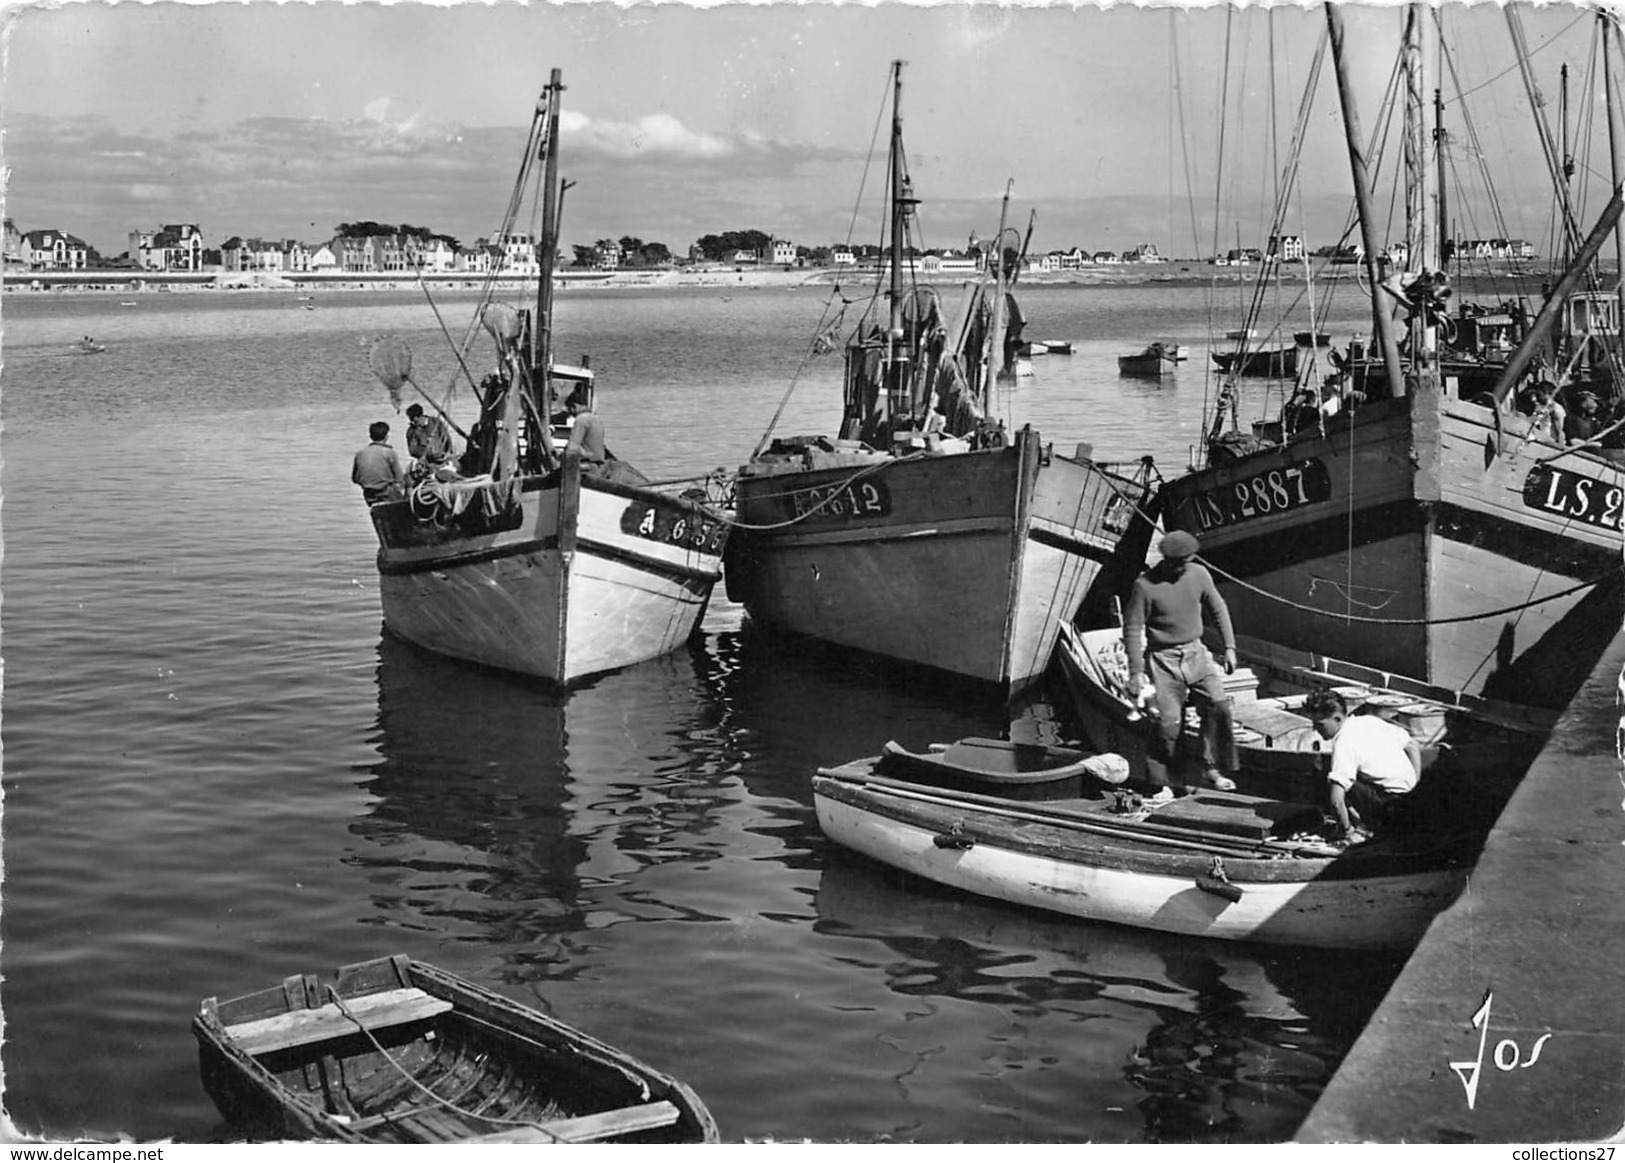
x: 1276, y: 490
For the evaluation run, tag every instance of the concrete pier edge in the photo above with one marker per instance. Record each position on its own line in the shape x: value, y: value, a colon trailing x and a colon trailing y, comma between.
x: 1507, y: 1024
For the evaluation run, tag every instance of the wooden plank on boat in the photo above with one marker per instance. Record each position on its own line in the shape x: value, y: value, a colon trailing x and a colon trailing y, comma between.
x: 590, y: 1128
x: 1231, y: 815
x: 1267, y: 720
x: 303, y: 1027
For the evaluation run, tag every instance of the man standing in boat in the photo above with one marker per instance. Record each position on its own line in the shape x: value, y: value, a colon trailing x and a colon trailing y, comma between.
x: 377, y: 469
x: 1162, y: 633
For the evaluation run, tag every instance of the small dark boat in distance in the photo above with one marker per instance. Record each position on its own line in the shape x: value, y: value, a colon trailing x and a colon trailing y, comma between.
x: 1156, y: 360
x: 1312, y: 339
x: 1278, y: 362
x: 397, y: 1051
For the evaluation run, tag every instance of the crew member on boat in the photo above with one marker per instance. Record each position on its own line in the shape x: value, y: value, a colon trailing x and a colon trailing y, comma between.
x: 1374, y: 764
x: 377, y: 469
x: 1162, y: 634
x: 428, y: 441
x: 586, y: 432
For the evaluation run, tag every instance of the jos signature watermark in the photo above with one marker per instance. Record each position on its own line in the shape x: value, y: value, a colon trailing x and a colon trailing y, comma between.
x: 1508, y: 1055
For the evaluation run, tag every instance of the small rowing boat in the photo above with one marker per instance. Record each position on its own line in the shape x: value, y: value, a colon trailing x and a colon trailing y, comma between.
x: 1156, y: 360
x: 1276, y: 745
x: 1214, y: 864
x: 397, y: 1051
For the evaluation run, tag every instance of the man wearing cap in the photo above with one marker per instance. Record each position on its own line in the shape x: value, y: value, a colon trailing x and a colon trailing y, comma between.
x: 1162, y: 633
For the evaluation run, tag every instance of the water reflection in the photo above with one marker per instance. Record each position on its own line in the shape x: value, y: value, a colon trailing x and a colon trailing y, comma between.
x: 1221, y: 1043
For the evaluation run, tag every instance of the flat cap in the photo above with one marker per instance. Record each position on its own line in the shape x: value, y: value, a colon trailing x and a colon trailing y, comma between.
x: 1178, y: 544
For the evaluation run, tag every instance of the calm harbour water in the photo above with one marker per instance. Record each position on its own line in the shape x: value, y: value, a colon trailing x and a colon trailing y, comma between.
x: 219, y: 770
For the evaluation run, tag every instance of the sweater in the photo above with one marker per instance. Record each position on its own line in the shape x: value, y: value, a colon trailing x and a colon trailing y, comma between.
x: 1168, y: 611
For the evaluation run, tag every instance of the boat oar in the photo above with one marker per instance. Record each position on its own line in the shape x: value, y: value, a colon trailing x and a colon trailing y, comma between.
x: 391, y: 361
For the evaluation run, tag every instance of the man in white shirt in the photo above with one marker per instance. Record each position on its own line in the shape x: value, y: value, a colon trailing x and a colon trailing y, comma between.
x: 1374, y: 762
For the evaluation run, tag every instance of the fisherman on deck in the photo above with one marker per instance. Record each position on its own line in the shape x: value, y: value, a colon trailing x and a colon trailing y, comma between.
x: 1374, y: 763
x: 586, y: 432
x: 1162, y: 633
x: 377, y: 469
x: 428, y: 441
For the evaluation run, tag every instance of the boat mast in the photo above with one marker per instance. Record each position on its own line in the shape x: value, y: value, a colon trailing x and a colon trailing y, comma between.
x: 1615, y: 145
x: 1381, y: 325
x: 1423, y: 195
x: 542, y: 335
x: 1447, y: 246
x: 899, y: 214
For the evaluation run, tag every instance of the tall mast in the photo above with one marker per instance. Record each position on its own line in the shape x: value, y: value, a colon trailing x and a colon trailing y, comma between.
x: 542, y: 336
x: 1422, y: 190
x: 899, y: 218
x: 1446, y: 238
x: 1381, y: 325
x: 1615, y: 146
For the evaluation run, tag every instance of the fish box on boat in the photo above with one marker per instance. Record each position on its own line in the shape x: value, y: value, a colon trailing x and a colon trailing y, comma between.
x: 1216, y: 864
x: 397, y: 1051
x: 1278, y: 749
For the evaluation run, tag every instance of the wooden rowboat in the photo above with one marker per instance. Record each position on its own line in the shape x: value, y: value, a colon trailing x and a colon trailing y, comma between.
x: 1215, y: 864
x: 1278, y: 749
x: 1156, y: 360
x: 396, y: 1051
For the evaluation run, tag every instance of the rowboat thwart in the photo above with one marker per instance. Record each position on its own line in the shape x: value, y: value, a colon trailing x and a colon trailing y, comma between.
x: 397, y: 1051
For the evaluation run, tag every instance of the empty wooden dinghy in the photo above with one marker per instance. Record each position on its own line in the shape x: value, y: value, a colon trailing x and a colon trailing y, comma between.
x: 397, y: 1051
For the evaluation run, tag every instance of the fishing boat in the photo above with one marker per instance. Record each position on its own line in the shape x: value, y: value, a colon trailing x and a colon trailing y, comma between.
x: 1155, y: 360
x: 926, y: 530
x: 1422, y: 530
x: 528, y: 558
x: 397, y: 1051
x: 1216, y: 864
x: 1278, y: 750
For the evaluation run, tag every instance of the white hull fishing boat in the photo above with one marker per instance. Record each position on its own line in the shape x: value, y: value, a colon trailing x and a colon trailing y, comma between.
x: 927, y: 532
x: 1421, y: 530
x: 1217, y: 864
x: 529, y: 559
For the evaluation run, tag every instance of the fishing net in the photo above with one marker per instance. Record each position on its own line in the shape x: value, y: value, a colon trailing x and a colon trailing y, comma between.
x: 502, y: 321
x: 391, y: 362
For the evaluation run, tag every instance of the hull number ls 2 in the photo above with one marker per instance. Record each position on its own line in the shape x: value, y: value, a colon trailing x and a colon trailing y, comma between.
x: 1572, y: 495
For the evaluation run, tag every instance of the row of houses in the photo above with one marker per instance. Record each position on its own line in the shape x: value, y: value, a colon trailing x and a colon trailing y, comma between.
x: 179, y: 247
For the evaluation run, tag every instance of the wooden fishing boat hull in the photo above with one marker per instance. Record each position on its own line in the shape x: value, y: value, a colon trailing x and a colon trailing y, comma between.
x: 1121, y: 876
x: 967, y: 563
x: 582, y: 576
x: 412, y: 1051
x: 1419, y: 519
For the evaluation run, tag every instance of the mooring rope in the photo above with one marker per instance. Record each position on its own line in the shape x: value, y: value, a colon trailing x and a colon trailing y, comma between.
x: 438, y: 1100
x: 1411, y: 621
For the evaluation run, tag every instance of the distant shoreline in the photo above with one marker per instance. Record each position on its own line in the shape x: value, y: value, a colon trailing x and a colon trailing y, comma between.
x: 1173, y: 273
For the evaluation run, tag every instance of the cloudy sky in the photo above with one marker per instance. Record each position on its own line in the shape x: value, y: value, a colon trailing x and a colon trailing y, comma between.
x: 283, y: 120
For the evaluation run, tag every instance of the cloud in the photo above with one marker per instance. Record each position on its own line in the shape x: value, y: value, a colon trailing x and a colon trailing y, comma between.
x: 658, y: 134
